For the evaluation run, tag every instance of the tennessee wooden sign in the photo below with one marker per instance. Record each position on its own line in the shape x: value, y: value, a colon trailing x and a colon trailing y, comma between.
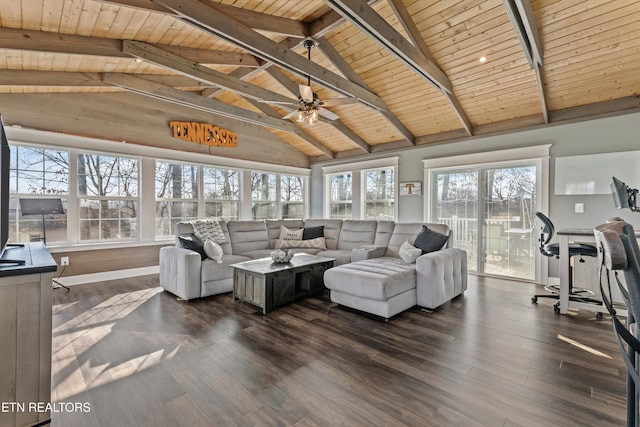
x: 204, y: 133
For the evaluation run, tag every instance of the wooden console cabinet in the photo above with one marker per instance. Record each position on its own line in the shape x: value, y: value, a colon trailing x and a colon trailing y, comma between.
x: 25, y: 335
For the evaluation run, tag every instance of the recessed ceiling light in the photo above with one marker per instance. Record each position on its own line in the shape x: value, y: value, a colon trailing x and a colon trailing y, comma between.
x: 138, y: 60
x: 483, y: 59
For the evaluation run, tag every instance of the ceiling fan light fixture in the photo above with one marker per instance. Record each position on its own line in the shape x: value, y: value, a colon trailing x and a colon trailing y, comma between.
x: 307, y: 115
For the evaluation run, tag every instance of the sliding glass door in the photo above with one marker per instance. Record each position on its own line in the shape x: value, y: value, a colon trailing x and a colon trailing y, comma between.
x: 491, y: 211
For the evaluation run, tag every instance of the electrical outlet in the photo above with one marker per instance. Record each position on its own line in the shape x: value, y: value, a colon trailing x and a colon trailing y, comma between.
x: 64, y: 260
x: 579, y: 208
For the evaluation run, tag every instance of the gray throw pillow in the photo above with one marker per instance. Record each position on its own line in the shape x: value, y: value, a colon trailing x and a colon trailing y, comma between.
x: 193, y: 243
x: 429, y: 241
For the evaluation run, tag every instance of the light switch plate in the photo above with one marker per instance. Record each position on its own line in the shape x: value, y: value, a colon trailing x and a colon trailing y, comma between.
x: 579, y: 208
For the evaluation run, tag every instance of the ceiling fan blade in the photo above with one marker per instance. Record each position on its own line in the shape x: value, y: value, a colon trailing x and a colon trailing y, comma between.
x: 291, y: 114
x: 306, y: 93
x: 328, y: 114
x: 339, y: 101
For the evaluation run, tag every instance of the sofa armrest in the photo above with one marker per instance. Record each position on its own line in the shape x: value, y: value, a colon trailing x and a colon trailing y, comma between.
x: 180, y: 271
x: 367, y: 252
x: 440, y: 276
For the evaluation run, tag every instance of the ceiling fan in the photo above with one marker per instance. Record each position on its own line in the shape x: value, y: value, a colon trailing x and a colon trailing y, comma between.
x: 309, y: 105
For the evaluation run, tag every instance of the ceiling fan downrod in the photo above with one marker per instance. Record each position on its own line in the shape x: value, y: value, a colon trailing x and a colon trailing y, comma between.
x: 309, y: 44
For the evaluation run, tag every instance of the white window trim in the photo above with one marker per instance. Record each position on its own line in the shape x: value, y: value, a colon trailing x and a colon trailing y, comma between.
x: 357, y: 170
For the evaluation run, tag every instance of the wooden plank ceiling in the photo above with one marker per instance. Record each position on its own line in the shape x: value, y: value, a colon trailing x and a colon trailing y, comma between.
x: 414, y: 65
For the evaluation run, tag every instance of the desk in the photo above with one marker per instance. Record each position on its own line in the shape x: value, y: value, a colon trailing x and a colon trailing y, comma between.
x: 566, y: 236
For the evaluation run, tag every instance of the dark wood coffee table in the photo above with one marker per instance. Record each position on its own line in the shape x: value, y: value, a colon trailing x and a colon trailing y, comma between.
x: 268, y: 285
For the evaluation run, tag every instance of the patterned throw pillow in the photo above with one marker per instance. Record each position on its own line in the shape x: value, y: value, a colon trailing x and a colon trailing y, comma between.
x: 208, y: 229
x: 317, y: 243
x: 287, y: 234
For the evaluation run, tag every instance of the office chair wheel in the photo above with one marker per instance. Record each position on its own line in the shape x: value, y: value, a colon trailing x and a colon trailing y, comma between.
x: 534, y: 300
x: 598, y: 315
x: 556, y: 309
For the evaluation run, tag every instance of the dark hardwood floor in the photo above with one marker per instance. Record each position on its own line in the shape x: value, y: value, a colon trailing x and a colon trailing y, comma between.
x: 139, y: 357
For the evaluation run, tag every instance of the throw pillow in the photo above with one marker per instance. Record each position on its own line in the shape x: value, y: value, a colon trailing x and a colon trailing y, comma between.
x: 192, y: 242
x: 287, y: 234
x: 208, y: 229
x: 317, y: 243
x: 429, y: 241
x: 409, y: 253
x: 213, y: 250
x: 313, y: 232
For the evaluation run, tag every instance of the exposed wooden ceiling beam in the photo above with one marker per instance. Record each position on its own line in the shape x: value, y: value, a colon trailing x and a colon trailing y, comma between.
x: 250, y: 18
x: 227, y: 28
x: 198, y: 72
x: 418, y: 41
x: 521, y: 15
x: 187, y: 99
x: 265, y: 108
x: 362, y: 16
x: 41, y: 41
x: 76, y: 79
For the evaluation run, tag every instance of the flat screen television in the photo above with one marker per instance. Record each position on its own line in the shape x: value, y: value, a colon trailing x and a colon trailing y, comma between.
x: 5, y: 165
x: 623, y: 196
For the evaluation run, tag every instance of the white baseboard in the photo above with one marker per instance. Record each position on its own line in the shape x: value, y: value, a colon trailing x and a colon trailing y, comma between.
x: 107, y: 275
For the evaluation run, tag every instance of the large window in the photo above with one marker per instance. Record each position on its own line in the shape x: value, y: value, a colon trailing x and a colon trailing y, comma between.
x: 221, y: 192
x: 379, y: 194
x: 340, y: 194
x: 276, y: 196
x: 38, y: 173
x: 176, y: 195
x: 108, y: 197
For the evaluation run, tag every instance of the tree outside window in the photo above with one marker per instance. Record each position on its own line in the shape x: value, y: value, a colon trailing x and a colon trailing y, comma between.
x: 108, y: 197
x: 38, y: 173
x: 221, y: 192
x: 292, y: 196
x: 264, y: 196
x: 340, y: 195
x: 380, y: 194
x: 176, y: 195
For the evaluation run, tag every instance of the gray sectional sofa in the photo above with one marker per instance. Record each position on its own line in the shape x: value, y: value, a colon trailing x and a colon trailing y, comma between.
x: 368, y: 275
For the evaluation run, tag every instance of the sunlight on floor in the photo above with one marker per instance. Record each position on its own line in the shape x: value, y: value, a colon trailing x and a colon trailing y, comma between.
x: 88, y: 329
x: 583, y: 347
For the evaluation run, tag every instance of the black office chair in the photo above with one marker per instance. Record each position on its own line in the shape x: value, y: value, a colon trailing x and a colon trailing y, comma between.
x: 553, y: 250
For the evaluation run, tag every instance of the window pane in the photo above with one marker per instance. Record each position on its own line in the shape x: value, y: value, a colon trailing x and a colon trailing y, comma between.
x: 340, y: 196
x: 109, y: 185
x: 380, y: 194
x: 176, y: 196
x: 221, y: 192
x: 36, y: 173
x: 263, y: 186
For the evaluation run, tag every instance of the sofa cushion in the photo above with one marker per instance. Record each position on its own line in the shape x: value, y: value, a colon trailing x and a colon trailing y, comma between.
x: 355, y: 233
x: 429, y: 241
x: 331, y: 230
x: 309, y: 233
x: 211, y: 271
x: 248, y: 236
x: 377, y: 279
x: 402, y: 232
x: 192, y: 242
x: 409, y: 253
x: 341, y: 256
x: 257, y: 254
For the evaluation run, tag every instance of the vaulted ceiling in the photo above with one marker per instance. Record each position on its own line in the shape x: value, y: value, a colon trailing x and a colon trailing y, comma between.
x: 414, y: 65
